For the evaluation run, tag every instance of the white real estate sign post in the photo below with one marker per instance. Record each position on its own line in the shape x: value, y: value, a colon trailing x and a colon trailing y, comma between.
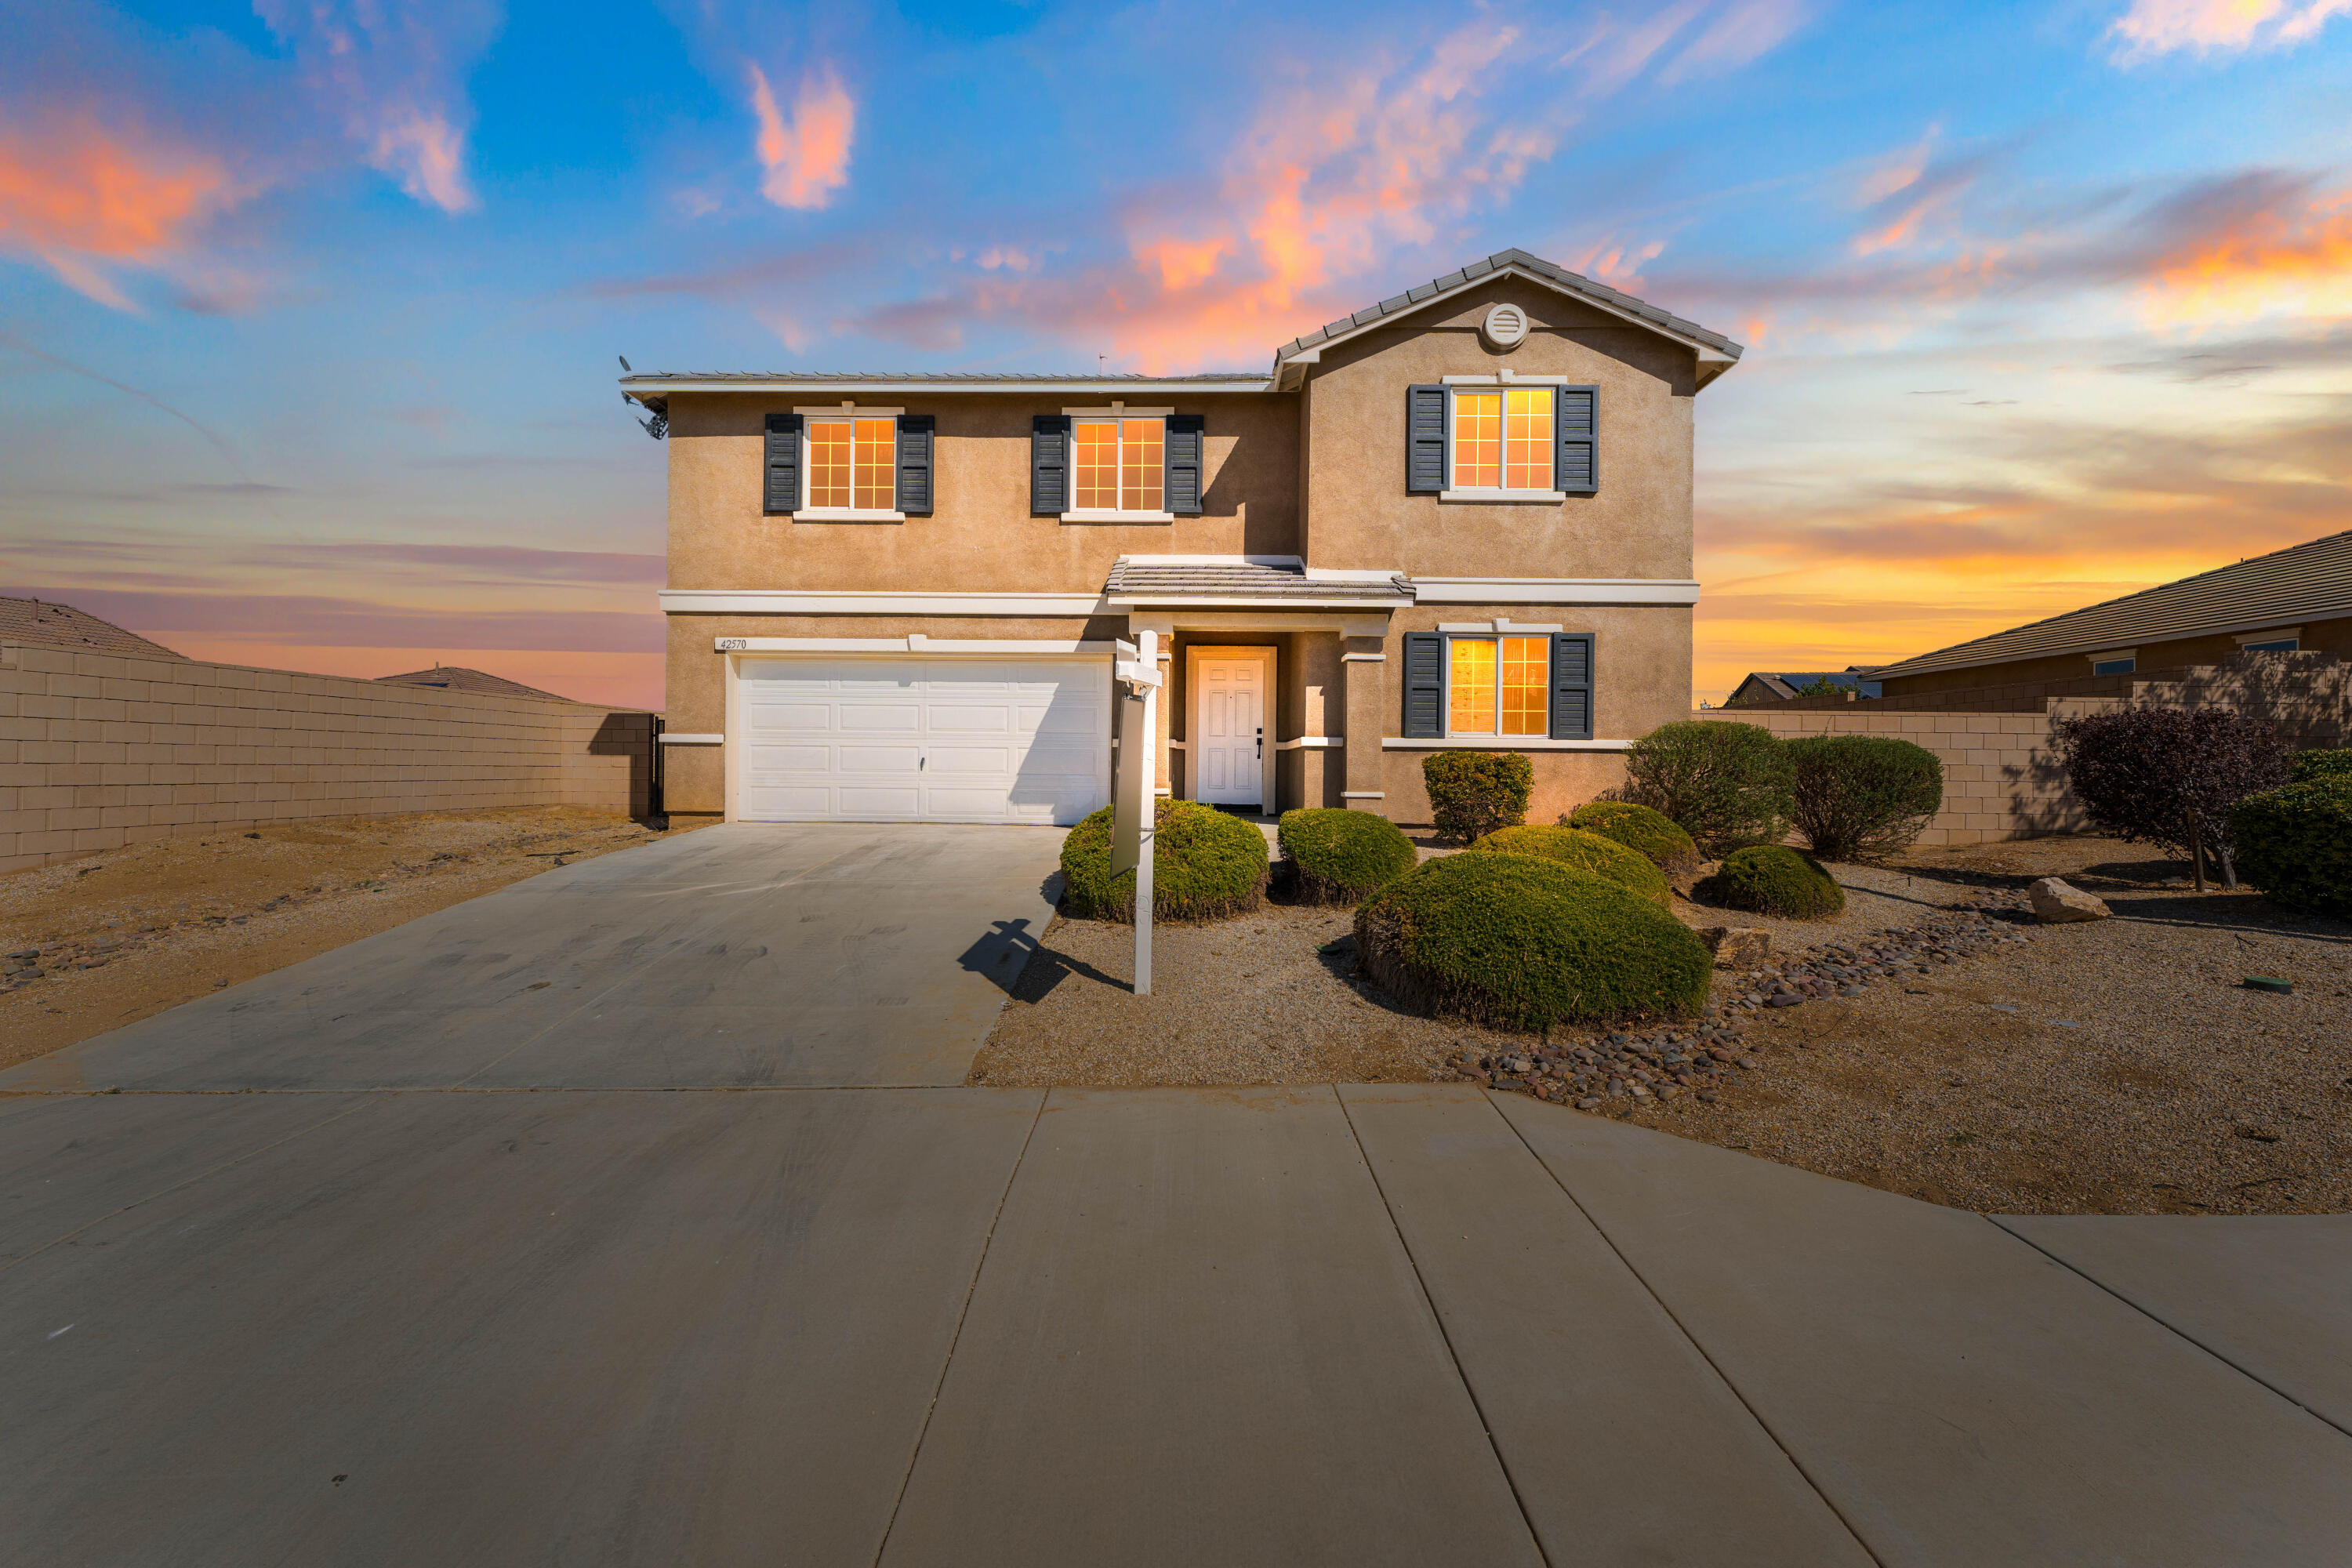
x: 1135, y: 805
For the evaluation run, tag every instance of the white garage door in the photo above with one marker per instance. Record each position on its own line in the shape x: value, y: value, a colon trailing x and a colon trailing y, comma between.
x: 906, y: 739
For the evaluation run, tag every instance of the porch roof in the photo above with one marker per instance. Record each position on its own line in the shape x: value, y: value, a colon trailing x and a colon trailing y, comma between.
x: 1247, y: 580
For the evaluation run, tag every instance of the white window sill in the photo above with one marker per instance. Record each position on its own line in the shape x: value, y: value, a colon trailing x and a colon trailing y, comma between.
x: 1539, y: 498
x: 1499, y: 743
x: 845, y: 514
x: 1111, y: 514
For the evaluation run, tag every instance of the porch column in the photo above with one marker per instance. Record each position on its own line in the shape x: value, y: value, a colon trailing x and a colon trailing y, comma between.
x: 1365, y: 662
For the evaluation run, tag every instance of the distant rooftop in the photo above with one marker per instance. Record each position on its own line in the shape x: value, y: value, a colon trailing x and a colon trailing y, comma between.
x: 457, y: 678
x: 62, y: 625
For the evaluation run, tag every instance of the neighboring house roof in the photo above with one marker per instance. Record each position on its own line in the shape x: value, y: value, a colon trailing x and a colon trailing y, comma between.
x: 457, y: 678
x: 1724, y: 350
x: 2308, y: 583
x: 1717, y: 352
x: 1245, y: 580
x: 62, y: 625
x: 1786, y: 684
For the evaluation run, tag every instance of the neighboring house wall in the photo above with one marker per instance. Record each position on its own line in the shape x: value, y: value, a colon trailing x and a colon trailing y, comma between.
x: 98, y: 751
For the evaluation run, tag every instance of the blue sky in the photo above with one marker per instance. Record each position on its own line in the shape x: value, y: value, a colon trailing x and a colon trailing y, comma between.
x: 309, y: 311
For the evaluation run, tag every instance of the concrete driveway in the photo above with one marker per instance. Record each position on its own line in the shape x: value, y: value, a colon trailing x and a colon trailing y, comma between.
x: 446, y: 1284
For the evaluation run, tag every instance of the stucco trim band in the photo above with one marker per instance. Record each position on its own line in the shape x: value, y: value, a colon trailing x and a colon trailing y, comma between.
x: 871, y: 602
x: 1310, y: 743
x: 1498, y: 743
x: 1555, y: 590
x: 678, y: 740
x: 915, y: 642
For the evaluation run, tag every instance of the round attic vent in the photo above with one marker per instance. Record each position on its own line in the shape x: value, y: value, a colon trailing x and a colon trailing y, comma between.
x: 1506, y: 327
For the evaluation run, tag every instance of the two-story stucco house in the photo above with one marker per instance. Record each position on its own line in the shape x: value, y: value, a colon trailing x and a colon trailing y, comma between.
x: 1460, y: 518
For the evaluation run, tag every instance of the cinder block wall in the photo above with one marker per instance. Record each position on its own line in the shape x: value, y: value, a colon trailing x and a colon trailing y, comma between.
x: 98, y: 751
x: 2003, y: 778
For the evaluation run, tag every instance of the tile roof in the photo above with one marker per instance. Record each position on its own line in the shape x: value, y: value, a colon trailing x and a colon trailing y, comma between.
x: 2306, y: 582
x: 457, y: 678
x: 1243, y: 580
x: 798, y: 377
x: 1574, y: 282
x: 62, y: 625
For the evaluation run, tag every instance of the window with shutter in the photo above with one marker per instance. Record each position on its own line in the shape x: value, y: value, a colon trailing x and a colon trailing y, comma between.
x: 1424, y: 436
x: 784, y: 492
x: 916, y: 432
x: 1187, y: 446
x: 1425, y: 685
x: 1049, y: 464
x: 1577, y: 420
x: 1571, y: 686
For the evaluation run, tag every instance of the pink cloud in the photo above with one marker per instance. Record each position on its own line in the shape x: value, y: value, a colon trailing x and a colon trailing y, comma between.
x: 1736, y: 36
x: 2153, y: 27
x: 807, y: 160
x: 85, y: 198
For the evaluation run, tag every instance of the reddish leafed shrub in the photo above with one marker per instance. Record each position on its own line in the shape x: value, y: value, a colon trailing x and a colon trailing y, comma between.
x: 2170, y: 775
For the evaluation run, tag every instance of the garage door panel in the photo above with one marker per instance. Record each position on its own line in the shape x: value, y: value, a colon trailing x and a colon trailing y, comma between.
x: 884, y: 739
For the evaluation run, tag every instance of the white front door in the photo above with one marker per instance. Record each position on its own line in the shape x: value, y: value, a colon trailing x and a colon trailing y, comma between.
x: 903, y: 739
x: 1229, y: 752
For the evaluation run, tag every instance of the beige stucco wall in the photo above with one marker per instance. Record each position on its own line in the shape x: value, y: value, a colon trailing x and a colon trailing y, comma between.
x: 98, y: 750
x: 981, y: 537
x: 1638, y: 525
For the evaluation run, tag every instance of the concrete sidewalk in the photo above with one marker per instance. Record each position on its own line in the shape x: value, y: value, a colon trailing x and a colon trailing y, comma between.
x: 394, y: 1260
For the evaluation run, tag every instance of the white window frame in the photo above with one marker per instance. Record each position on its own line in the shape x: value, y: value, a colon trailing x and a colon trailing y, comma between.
x: 847, y: 413
x: 1116, y: 413
x: 1455, y: 385
x: 2126, y: 657
x: 1496, y: 635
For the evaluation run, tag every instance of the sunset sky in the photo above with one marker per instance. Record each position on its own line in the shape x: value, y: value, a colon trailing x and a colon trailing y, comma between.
x: 309, y: 310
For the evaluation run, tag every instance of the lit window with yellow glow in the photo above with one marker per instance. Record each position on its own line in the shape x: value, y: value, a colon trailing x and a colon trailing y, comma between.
x: 853, y: 465
x: 1116, y: 465
x: 1497, y: 686
x: 1503, y: 439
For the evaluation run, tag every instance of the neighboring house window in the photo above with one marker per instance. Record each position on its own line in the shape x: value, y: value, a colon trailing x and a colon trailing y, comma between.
x: 1117, y: 464
x: 853, y: 464
x: 2113, y: 665
x: 1496, y: 686
x: 1502, y: 440
x: 2284, y: 644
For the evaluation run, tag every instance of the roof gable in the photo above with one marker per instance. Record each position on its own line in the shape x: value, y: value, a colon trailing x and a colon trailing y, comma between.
x: 53, y: 624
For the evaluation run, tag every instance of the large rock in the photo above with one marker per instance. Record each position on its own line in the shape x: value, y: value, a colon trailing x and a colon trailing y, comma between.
x: 1738, y: 947
x: 2056, y: 903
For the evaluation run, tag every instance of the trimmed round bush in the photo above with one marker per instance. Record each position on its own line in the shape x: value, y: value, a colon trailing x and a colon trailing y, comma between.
x: 1521, y: 942
x: 2319, y: 766
x: 1773, y: 881
x: 1639, y: 828
x: 1341, y: 856
x: 1863, y: 797
x: 2295, y: 843
x: 1724, y: 782
x: 1205, y: 866
x: 1472, y: 794
x: 1584, y: 851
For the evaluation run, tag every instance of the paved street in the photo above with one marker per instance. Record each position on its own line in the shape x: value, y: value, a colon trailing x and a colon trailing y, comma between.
x: 634, y: 1214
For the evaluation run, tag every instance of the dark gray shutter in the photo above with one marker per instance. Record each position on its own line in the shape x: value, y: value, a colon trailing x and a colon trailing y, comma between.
x: 1425, y: 686
x: 915, y: 462
x: 1049, y: 464
x: 784, y: 465
x: 1576, y: 422
x: 1571, y: 686
x: 1425, y: 440
x: 1184, y: 453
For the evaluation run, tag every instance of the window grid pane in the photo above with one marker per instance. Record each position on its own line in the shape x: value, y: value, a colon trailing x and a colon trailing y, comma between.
x: 1471, y: 687
x: 1095, y: 466
x: 1140, y: 465
x: 829, y: 443
x: 1526, y: 672
x: 877, y: 457
x: 1477, y: 440
x: 1526, y: 439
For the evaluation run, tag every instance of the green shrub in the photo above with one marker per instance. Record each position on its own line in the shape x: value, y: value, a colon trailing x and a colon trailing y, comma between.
x: 2318, y: 766
x: 1205, y: 866
x: 1639, y: 828
x: 1724, y: 782
x: 1521, y: 942
x: 1863, y: 797
x: 2295, y: 843
x: 1341, y: 855
x: 1774, y: 880
x: 1473, y: 793
x: 1573, y: 847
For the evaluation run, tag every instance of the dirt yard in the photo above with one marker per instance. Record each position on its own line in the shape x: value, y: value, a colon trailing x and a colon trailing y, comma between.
x: 2115, y: 1067
x: 96, y: 943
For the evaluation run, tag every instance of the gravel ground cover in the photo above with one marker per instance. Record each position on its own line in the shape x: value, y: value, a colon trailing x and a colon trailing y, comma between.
x: 1940, y: 1045
x: 92, y: 944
